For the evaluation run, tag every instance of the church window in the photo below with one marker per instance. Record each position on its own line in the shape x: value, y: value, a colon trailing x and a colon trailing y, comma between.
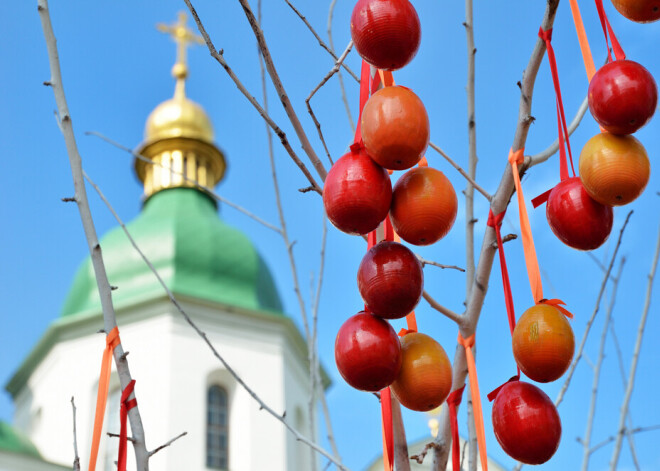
x: 217, y: 430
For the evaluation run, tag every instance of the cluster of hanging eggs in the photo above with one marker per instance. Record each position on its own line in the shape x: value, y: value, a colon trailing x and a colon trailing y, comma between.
x: 614, y: 166
x: 358, y: 196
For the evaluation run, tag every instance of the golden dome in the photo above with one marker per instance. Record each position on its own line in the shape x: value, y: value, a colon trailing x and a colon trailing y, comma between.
x: 178, y: 117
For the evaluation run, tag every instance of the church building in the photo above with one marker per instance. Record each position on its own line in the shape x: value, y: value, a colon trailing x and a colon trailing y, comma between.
x: 220, y: 280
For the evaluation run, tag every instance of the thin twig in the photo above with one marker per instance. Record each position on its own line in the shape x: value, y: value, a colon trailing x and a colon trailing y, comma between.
x: 580, y: 349
x: 333, y: 71
x: 439, y: 265
x: 442, y: 310
x: 340, y: 76
x: 609, y: 440
x: 109, y: 321
x: 321, y: 43
x: 461, y: 171
x: 635, y: 358
x: 218, y: 56
x: 192, y: 181
x: 554, y: 147
x: 601, y: 355
x: 281, y: 92
x: 262, y: 405
x: 76, y: 457
x: 168, y: 443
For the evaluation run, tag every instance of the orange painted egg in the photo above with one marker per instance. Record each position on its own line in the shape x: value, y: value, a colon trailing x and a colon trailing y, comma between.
x: 424, y: 206
x: 543, y: 343
x: 641, y: 11
x: 424, y: 380
x: 395, y: 128
x: 614, y: 169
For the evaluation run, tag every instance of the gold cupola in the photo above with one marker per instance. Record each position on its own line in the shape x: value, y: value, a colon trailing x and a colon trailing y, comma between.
x: 178, y: 135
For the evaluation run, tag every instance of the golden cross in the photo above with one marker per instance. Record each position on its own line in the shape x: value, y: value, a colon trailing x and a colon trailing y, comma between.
x: 182, y: 36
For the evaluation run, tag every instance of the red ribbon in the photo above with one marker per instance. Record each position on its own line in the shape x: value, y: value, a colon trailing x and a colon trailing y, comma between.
x: 388, y: 434
x: 493, y: 394
x: 546, y: 36
x: 607, y: 28
x: 453, y: 401
x: 126, y: 405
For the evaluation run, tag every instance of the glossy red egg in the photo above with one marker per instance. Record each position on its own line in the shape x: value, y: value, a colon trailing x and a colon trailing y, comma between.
x: 395, y: 128
x: 390, y: 280
x: 425, y: 378
x: 641, y: 11
x: 424, y: 206
x: 386, y: 33
x: 526, y: 423
x: 357, y: 193
x: 367, y: 352
x: 576, y: 218
x: 622, y: 96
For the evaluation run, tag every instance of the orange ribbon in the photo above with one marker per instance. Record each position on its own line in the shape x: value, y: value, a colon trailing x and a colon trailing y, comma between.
x: 556, y: 303
x: 111, y: 341
x: 476, y: 399
x: 582, y: 39
x: 531, y: 261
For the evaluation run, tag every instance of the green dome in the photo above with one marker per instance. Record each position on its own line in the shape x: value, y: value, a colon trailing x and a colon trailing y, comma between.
x: 194, y: 252
x: 13, y: 441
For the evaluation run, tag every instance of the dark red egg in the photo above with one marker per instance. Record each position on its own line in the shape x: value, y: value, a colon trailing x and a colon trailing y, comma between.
x: 576, y: 218
x: 357, y: 193
x: 386, y: 33
x: 622, y: 96
x: 368, y: 352
x: 526, y: 423
x: 390, y: 280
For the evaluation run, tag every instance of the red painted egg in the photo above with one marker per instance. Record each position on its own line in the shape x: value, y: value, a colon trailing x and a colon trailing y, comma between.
x: 622, y: 96
x: 386, y: 33
x: 526, y: 423
x: 425, y: 378
x: 576, y: 218
x: 395, y: 128
x: 543, y: 343
x: 390, y: 280
x: 424, y: 206
x: 357, y: 193
x: 367, y: 352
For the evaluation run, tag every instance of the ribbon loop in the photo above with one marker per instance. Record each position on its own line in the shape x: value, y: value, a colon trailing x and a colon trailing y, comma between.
x: 453, y: 401
x: 476, y: 399
x: 556, y: 303
x: 607, y: 29
x: 126, y: 405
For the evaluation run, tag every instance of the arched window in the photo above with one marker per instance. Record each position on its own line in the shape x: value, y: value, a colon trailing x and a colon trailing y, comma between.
x: 217, y: 430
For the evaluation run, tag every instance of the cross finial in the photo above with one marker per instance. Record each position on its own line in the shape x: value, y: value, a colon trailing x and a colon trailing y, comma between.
x: 182, y: 36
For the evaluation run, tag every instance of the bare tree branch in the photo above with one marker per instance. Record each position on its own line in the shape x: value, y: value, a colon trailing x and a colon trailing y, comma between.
x: 601, y: 355
x: 340, y: 76
x: 425, y: 262
x: 401, y: 460
x: 461, y: 171
x: 109, y: 320
x: 76, y: 458
x: 218, y: 56
x: 321, y: 43
x: 635, y: 358
x: 168, y: 443
x: 442, y: 310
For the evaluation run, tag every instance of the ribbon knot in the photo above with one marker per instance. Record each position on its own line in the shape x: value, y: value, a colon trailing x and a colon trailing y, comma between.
x: 453, y: 401
x: 466, y: 342
x: 126, y: 405
x: 516, y: 157
x: 495, y: 221
x: 545, y: 35
x: 556, y: 304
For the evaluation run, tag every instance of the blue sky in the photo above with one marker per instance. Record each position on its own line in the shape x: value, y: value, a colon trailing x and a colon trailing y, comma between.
x: 116, y: 69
